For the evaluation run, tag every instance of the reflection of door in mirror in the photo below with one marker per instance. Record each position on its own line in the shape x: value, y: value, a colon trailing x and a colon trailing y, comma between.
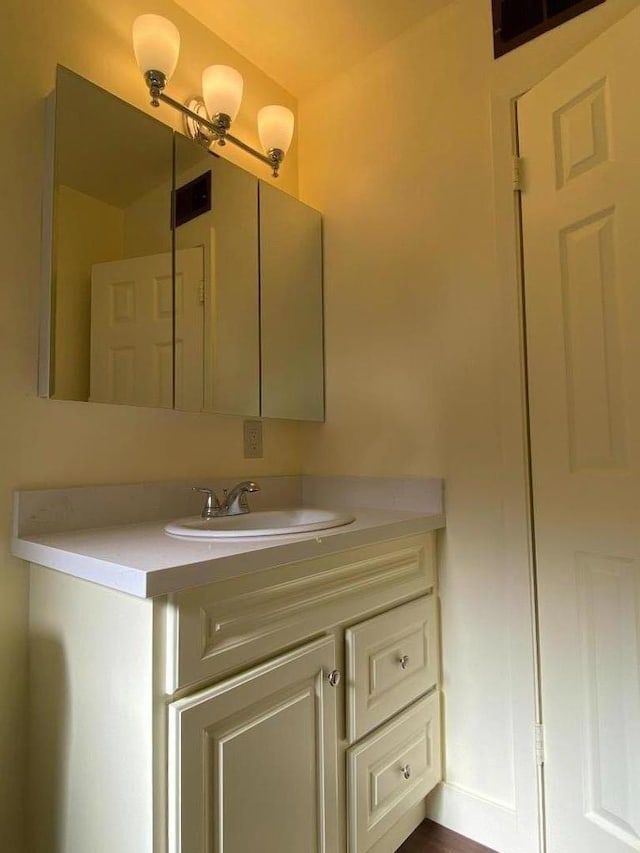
x: 132, y: 330
x: 110, y: 205
x: 189, y: 329
x: 217, y: 213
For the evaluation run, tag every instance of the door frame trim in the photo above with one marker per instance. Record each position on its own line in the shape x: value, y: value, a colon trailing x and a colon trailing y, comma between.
x: 531, y: 516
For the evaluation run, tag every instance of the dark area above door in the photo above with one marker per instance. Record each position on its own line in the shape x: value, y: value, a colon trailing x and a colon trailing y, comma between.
x: 516, y: 22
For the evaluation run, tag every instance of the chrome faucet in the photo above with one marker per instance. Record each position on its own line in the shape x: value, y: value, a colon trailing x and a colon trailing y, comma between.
x: 234, y: 502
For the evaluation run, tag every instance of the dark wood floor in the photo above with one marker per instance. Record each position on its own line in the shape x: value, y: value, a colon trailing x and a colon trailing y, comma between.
x: 431, y: 838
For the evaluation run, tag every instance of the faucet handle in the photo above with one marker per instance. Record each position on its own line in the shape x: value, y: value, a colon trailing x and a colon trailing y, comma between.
x: 212, y: 504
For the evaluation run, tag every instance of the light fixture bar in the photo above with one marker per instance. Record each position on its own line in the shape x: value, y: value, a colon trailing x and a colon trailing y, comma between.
x: 156, y: 44
x: 273, y: 159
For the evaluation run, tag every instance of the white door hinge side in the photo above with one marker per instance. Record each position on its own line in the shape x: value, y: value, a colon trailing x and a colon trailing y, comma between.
x: 518, y: 174
x: 201, y: 293
x: 539, y: 734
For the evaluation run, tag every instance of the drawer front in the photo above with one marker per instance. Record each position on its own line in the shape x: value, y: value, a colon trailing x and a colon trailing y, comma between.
x: 222, y: 627
x: 391, y: 771
x: 391, y: 660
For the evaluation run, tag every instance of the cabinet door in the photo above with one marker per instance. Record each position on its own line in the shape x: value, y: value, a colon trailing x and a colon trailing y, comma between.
x: 252, y: 761
x: 291, y: 307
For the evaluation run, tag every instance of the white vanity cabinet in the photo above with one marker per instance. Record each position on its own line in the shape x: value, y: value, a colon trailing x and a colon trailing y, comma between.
x: 294, y: 709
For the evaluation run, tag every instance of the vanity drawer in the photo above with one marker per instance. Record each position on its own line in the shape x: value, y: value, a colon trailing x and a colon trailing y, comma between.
x: 392, y: 770
x: 220, y: 628
x: 391, y: 660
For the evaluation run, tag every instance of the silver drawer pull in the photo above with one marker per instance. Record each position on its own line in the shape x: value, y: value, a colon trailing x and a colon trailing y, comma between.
x: 404, y: 661
x: 334, y: 677
x: 406, y: 771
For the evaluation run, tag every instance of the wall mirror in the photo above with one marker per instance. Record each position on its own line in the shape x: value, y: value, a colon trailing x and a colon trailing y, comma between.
x: 108, y: 315
x: 171, y: 277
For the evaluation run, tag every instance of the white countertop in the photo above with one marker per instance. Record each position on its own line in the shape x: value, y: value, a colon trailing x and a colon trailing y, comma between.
x: 142, y: 560
x: 113, y: 534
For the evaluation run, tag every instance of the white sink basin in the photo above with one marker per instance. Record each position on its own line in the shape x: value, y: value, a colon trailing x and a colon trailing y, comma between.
x: 280, y: 522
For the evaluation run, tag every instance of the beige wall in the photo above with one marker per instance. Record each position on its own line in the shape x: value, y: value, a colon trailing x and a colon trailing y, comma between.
x: 52, y: 443
x: 423, y: 365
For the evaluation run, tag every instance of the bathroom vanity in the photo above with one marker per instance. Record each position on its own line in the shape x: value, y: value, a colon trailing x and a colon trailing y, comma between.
x: 280, y: 696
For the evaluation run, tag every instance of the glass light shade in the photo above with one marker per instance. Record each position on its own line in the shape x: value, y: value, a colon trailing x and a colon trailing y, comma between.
x: 222, y: 90
x: 156, y: 44
x: 275, y: 127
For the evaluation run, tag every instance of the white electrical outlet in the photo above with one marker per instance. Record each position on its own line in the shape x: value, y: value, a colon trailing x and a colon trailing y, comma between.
x: 253, y: 439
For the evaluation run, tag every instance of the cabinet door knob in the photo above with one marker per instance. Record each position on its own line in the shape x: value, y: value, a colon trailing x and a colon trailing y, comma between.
x: 334, y: 677
x: 406, y: 771
x: 404, y: 661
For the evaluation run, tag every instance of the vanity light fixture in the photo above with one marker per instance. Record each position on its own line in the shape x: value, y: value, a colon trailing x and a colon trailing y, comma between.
x: 156, y: 44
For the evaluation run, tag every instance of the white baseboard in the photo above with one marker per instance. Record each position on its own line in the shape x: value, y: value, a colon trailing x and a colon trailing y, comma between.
x: 485, y: 821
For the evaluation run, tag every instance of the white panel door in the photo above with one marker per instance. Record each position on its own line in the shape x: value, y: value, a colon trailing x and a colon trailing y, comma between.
x: 580, y: 139
x: 252, y: 761
x: 132, y: 329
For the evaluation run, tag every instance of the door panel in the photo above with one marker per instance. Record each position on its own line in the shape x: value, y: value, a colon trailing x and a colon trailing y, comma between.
x: 608, y: 596
x: 579, y: 134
